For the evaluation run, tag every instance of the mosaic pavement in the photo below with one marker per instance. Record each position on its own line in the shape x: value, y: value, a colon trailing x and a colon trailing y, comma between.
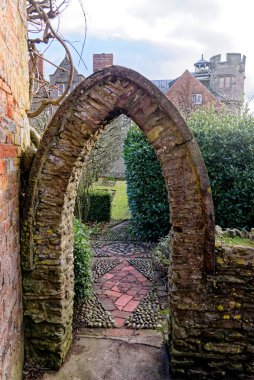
x: 127, y: 294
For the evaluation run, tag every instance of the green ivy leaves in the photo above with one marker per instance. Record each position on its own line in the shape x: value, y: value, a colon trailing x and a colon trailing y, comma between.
x: 82, y: 253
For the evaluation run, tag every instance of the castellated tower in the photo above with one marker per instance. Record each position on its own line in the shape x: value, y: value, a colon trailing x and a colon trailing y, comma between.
x: 227, y: 79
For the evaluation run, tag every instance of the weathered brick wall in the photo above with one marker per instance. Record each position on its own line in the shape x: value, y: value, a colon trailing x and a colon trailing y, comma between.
x: 182, y: 91
x: 100, y: 61
x: 13, y: 135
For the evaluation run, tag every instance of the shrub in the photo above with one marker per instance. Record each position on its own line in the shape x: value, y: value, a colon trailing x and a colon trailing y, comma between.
x: 227, y: 145
x: 147, y: 194
x: 161, y: 257
x: 99, y: 206
x: 82, y: 253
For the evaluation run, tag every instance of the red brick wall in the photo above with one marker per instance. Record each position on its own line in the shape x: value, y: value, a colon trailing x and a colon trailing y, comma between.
x: 13, y: 131
x: 100, y: 61
x: 184, y: 88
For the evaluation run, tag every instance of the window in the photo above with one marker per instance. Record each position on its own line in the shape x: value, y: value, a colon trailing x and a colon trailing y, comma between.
x: 197, y: 99
x: 225, y: 82
x: 61, y: 88
x: 221, y: 82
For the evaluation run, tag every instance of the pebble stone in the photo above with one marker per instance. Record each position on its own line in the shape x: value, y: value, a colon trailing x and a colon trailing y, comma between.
x: 103, y: 266
x: 93, y: 314
x: 147, y: 314
x: 121, y: 249
x: 143, y: 266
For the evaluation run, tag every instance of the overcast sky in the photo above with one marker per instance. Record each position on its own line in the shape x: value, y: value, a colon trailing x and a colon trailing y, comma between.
x: 161, y: 38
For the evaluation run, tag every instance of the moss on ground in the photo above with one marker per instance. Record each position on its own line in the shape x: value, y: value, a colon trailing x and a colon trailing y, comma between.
x: 236, y: 240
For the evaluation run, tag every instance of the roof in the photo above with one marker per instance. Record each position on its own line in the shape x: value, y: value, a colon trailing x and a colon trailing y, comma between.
x: 163, y: 84
x: 202, y: 61
x: 192, y: 79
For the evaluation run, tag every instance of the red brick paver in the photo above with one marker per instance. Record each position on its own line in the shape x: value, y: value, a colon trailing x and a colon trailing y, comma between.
x: 131, y: 306
x: 123, y: 300
x: 121, y: 290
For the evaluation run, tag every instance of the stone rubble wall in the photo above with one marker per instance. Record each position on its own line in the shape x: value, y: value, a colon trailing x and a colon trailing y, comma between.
x: 213, y: 335
x: 211, y: 295
x: 14, y: 135
x: 47, y: 228
x: 116, y: 168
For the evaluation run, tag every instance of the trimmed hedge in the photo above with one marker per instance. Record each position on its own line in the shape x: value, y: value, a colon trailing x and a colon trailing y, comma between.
x: 227, y: 145
x: 226, y: 142
x: 99, y: 206
x: 147, y: 194
x: 82, y: 253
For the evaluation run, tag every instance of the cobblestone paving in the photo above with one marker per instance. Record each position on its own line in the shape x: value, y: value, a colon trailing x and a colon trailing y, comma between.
x: 125, y: 278
x: 105, y: 248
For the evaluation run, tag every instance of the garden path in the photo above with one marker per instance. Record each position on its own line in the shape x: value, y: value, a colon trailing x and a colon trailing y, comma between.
x: 126, y: 286
x: 120, y: 329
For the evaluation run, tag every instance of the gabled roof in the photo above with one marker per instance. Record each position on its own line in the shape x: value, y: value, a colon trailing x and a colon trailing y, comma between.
x: 188, y: 85
x: 191, y: 80
x: 62, y: 75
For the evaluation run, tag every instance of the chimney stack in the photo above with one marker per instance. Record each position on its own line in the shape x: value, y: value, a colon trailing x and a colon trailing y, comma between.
x: 100, y: 61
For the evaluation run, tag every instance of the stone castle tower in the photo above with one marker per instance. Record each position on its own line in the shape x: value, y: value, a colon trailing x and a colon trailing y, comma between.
x: 225, y: 79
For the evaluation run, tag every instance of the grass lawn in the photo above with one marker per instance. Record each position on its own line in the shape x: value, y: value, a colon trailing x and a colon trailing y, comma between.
x: 120, y: 209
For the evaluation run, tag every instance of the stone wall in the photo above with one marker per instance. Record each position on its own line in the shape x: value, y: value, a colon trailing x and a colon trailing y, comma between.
x: 47, y: 227
x: 211, y: 293
x: 213, y: 335
x: 13, y: 136
x: 227, y: 79
x: 116, y: 168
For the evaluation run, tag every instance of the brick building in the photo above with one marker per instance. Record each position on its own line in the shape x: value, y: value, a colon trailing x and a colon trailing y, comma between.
x: 223, y: 79
x: 187, y: 94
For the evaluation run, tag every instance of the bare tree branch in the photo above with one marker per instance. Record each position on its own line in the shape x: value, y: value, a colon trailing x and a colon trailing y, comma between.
x: 38, y: 9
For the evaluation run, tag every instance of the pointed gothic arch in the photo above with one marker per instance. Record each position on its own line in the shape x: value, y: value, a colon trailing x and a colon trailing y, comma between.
x: 47, y: 237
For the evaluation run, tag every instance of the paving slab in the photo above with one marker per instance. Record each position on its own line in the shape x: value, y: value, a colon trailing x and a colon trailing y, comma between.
x: 94, y: 358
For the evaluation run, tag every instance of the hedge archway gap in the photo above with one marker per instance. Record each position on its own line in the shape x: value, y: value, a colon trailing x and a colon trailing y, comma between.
x: 47, y: 237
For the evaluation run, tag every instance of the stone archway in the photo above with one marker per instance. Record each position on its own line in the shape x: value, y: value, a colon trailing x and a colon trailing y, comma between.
x: 47, y: 237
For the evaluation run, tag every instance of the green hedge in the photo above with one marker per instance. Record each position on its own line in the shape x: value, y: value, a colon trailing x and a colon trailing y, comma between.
x: 99, y: 209
x: 147, y: 194
x: 227, y: 145
x: 82, y: 253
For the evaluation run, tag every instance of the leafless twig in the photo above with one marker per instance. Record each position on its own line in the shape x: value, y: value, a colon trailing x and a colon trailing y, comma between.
x: 40, y: 13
